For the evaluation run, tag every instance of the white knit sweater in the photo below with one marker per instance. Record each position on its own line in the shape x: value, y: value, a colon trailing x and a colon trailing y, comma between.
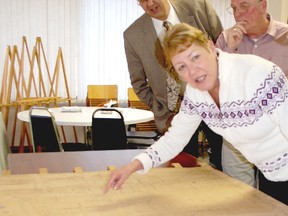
x: 253, y: 115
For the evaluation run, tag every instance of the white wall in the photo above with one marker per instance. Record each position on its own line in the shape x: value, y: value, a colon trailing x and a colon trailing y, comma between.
x: 278, y: 9
x: 220, y: 7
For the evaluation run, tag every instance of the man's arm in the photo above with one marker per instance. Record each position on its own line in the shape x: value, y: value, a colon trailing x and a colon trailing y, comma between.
x: 137, y: 74
x: 142, y: 88
x: 214, y: 26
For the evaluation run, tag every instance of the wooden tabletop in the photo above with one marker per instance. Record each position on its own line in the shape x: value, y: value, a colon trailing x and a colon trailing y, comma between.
x: 200, y: 191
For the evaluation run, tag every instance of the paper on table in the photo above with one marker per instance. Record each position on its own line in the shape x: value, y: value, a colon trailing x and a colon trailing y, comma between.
x: 71, y: 109
x: 110, y: 103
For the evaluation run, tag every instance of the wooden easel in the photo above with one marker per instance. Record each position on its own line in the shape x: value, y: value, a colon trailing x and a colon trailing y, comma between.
x: 20, y: 83
x: 3, y: 93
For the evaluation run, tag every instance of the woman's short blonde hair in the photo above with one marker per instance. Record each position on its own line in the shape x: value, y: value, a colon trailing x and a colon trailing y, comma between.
x: 181, y: 37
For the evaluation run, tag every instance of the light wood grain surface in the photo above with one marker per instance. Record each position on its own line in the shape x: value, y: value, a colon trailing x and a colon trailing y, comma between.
x: 200, y: 191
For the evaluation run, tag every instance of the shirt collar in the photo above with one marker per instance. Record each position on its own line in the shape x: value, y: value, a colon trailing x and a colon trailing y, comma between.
x: 172, y: 18
x: 271, y: 28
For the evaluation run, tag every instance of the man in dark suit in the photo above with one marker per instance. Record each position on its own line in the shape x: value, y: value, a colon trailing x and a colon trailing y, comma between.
x: 149, y: 78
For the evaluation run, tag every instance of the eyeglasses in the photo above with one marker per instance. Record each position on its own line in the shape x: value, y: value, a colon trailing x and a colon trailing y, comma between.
x: 243, y: 8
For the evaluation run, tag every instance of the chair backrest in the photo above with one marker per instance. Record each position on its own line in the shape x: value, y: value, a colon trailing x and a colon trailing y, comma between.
x: 98, y: 95
x: 108, y: 130
x: 45, y: 134
x: 135, y: 102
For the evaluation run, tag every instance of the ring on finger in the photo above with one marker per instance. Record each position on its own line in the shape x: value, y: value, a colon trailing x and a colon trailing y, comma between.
x: 234, y: 29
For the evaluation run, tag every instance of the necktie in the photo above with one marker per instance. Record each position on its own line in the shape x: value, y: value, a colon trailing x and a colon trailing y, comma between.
x: 167, y: 25
x: 173, y: 86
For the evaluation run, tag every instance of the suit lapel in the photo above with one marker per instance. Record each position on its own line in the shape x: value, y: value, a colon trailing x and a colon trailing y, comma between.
x: 151, y: 40
x: 184, y: 14
x: 152, y: 43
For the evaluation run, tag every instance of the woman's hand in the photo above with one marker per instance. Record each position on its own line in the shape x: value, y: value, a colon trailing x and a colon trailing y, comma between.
x: 118, y: 177
x: 234, y: 35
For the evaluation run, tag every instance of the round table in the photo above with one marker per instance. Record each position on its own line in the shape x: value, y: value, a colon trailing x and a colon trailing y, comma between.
x: 84, y: 118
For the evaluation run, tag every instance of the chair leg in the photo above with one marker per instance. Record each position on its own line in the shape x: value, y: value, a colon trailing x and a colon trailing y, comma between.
x: 39, y: 149
x: 131, y: 127
x: 201, y: 143
x: 89, y: 136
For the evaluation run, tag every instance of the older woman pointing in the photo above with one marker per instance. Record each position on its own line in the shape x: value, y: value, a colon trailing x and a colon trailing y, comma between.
x: 243, y: 98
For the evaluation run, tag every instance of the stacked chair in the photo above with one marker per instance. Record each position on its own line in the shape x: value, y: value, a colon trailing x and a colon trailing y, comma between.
x: 108, y: 130
x: 98, y: 95
x: 45, y: 133
x: 145, y: 134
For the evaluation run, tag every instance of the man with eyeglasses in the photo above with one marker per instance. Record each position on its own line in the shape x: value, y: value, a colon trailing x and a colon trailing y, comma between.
x: 255, y: 32
x: 157, y: 88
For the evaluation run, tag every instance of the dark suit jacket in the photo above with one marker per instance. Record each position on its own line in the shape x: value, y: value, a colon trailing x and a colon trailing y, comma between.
x: 145, y: 58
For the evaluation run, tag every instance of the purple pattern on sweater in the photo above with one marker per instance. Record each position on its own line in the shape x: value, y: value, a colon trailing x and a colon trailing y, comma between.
x: 270, y: 94
x: 275, y: 165
x: 154, y: 156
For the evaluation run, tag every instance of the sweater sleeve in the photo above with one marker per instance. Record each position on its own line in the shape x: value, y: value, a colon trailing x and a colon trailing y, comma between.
x: 275, y: 100
x: 183, y: 126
